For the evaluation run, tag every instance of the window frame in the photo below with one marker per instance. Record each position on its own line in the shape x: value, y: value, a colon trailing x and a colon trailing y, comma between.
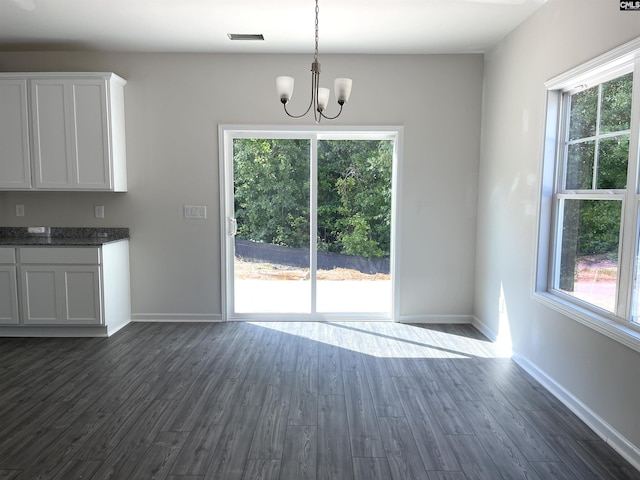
x: 613, y: 64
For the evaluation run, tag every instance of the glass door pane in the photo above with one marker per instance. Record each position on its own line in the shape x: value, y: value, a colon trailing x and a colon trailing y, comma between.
x: 271, y: 205
x: 354, y: 226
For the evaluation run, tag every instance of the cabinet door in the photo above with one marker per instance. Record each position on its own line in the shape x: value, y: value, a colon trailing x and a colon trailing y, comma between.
x: 61, y: 295
x: 8, y: 295
x: 15, y: 161
x: 71, y: 134
x: 81, y: 295
x: 51, y: 134
x: 90, y: 134
x: 41, y: 296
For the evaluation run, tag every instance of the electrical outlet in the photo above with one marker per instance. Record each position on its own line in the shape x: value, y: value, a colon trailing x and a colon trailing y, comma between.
x: 19, y: 210
x: 99, y: 211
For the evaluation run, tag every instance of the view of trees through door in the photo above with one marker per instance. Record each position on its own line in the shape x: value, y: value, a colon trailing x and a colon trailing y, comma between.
x: 313, y: 225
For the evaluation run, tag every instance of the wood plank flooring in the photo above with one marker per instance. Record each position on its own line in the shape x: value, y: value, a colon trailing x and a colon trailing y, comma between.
x: 290, y: 401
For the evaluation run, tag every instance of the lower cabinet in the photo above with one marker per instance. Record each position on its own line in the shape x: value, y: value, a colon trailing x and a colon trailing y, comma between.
x: 8, y: 287
x: 77, y: 291
x: 65, y: 294
x: 8, y: 295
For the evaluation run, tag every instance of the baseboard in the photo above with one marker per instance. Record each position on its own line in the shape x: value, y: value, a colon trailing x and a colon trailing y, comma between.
x: 111, y: 329
x: 54, y: 331
x: 435, y: 319
x: 610, y: 435
x: 175, y: 317
x: 190, y: 317
x: 484, y: 329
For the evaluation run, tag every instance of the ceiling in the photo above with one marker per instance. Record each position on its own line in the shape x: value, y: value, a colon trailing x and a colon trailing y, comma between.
x: 345, y: 26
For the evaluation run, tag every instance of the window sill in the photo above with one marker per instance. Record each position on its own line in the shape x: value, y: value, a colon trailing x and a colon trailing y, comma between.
x: 626, y: 335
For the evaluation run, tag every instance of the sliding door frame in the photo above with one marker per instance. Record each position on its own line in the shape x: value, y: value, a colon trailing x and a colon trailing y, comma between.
x: 226, y: 135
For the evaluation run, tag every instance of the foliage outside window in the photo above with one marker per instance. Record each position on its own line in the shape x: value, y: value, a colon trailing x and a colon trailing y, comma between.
x: 590, y: 257
x: 354, y: 194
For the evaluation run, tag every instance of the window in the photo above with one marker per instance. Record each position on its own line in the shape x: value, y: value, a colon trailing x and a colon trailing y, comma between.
x: 592, y: 187
x: 587, y: 264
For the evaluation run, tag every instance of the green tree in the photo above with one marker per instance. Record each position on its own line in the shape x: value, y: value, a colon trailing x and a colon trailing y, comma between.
x: 271, y: 181
x: 271, y: 189
x: 355, y: 195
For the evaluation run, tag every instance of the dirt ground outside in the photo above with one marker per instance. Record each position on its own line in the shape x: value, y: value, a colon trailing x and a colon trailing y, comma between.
x: 597, y: 268
x: 267, y: 271
x: 596, y: 280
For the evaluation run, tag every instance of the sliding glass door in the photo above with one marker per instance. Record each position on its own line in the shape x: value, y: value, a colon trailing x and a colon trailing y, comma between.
x: 308, y: 224
x: 354, y: 226
x: 271, y: 211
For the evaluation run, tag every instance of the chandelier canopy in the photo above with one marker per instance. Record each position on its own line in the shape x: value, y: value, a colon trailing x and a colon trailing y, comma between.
x: 319, y: 96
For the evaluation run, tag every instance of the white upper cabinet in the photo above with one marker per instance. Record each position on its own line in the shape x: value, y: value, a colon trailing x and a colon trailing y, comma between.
x: 77, y: 132
x: 15, y: 163
x: 51, y: 136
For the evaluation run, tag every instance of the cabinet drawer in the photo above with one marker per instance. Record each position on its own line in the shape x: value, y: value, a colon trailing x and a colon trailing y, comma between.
x: 7, y: 255
x: 60, y: 255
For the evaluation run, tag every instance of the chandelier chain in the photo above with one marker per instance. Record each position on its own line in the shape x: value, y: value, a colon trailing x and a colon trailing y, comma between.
x: 315, y: 56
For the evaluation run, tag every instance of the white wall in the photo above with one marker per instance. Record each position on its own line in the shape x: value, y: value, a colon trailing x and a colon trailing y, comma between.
x: 604, y: 375
x: 174, y: 103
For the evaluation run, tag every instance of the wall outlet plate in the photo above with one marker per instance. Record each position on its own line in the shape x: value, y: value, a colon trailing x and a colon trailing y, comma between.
x: 19, y: 210
x: 99, y: 209
x: 195, y: 211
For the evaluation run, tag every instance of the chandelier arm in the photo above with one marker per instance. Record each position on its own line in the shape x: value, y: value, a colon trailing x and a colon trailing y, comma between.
x: 333, y: 118
x: 298, y: 116
x: 311, y: 103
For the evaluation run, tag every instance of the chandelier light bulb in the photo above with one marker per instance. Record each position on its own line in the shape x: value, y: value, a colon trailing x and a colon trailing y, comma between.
x: 342, y: 87
x: 284, y: 85
x: 323, y: 98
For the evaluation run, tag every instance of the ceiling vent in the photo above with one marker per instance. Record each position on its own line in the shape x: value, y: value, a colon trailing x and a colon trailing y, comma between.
x: 245, y: 36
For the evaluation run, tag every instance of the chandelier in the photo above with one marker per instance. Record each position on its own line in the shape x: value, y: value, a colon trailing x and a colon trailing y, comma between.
x: 319, y: 96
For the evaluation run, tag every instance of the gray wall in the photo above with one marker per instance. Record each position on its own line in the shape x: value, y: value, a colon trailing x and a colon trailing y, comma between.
x: 602, y: 374
x: 174, y: 103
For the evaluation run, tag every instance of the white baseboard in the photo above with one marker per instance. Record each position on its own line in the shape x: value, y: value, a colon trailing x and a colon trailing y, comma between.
x: 190, y: 317
x: 435, y: 319
x: 484, y: 329
x: 610, y: 435
x: 175, y: 317
x: 55, y: 331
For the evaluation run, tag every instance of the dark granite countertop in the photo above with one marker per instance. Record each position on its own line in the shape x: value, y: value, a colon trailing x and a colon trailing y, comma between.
x: 62, y: 236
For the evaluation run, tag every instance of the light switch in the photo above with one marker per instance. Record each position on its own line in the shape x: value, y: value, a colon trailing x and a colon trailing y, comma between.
x: 19, y: 210
x: 195, y: 211
x: 99, y: 211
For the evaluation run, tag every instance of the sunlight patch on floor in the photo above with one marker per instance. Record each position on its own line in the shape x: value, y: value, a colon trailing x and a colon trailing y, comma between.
x: 390, y: 340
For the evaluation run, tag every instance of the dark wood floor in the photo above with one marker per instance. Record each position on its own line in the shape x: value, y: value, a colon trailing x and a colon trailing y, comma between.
x: 285, y: 401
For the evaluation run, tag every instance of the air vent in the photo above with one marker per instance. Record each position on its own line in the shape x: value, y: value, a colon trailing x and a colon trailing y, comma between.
x: 245, y: 36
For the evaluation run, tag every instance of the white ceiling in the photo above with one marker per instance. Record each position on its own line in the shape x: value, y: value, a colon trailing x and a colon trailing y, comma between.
x: 346, y: 26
